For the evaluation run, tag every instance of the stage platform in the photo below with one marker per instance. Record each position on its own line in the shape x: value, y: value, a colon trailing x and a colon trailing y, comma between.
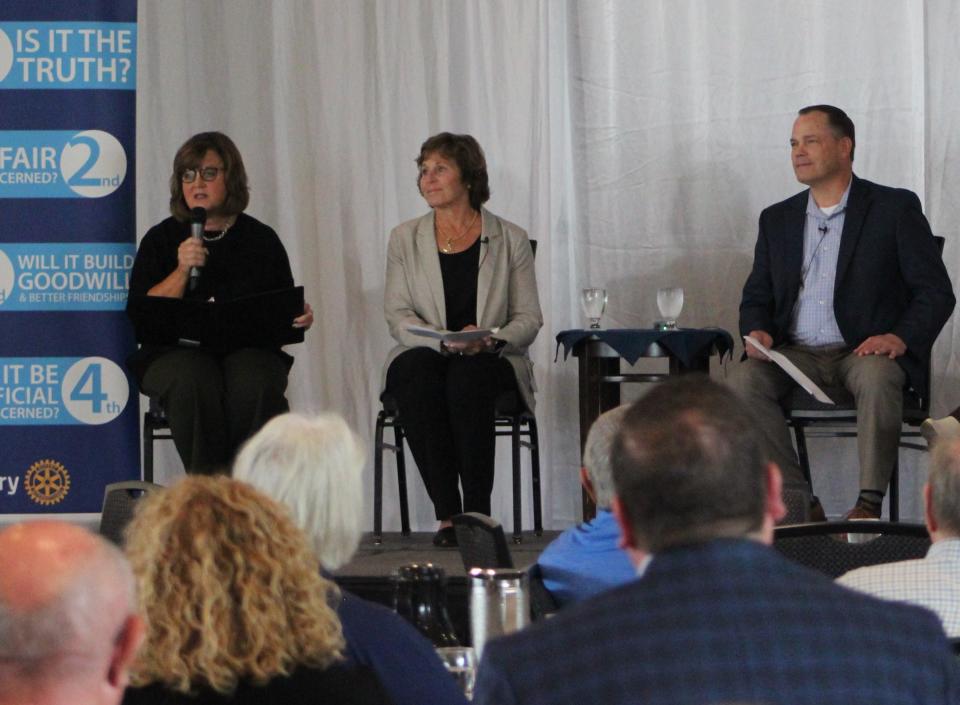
x: 396, y: 550
x: 369, y: 574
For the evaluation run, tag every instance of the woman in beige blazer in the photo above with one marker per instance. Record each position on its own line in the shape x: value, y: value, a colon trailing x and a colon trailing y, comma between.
x: 456, y: 268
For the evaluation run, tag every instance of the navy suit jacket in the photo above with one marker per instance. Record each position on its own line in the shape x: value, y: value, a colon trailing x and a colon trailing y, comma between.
x: 890, y: 275
x: 726, y: 621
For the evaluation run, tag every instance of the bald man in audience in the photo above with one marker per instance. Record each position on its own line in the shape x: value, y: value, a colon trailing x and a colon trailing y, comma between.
x: 68, y: 625
x: 587, y: 559
x: 934, y: 581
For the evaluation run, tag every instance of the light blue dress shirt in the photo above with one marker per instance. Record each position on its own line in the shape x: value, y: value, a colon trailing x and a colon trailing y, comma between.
x: 585, y: 560
x: 814, y: 323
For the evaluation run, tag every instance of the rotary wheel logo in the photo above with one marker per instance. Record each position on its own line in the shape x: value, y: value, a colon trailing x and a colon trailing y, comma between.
x: 47, y: 482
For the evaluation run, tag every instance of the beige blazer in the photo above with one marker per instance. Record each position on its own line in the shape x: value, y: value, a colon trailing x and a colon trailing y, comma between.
x: 506, y: 291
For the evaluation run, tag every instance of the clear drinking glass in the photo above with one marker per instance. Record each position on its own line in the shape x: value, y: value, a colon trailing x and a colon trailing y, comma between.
x: 593, y: 301
x: 670, y: 303
x: 461, y: 663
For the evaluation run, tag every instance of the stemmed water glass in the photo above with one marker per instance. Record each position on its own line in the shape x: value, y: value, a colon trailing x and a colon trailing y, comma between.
x: 670, y: 303
x: 593, y: 301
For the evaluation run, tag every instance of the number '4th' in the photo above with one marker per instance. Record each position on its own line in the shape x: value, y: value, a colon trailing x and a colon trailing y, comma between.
x: 89, y: 388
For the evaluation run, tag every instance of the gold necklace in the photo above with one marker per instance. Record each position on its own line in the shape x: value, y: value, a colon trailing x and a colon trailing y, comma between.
x: 448, y: 247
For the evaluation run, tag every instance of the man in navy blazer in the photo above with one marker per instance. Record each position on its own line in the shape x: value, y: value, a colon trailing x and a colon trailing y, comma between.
x: 718, y: 616
x: 848, y: 283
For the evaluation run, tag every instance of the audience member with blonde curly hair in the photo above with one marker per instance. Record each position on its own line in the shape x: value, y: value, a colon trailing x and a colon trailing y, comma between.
x: 235, y: 606
x: 313, y: 466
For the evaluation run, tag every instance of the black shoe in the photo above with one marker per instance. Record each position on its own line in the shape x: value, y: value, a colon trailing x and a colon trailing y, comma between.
x: 445, y: 538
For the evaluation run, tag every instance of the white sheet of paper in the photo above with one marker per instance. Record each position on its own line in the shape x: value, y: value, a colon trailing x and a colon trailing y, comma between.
x: 447, y: 336
x: 795, y: 374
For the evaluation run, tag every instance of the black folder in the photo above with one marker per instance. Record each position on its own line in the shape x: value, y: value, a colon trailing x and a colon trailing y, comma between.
x: 258, y: 321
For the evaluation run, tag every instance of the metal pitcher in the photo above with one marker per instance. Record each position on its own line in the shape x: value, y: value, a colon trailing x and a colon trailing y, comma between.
x: 499, y: 603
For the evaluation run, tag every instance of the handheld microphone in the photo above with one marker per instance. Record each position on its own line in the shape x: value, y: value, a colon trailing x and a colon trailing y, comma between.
x: 198, y: 216
x: 823, y: 229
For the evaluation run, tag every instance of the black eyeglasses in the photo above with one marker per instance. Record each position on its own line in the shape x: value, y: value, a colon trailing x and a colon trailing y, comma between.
x: 207, y: 173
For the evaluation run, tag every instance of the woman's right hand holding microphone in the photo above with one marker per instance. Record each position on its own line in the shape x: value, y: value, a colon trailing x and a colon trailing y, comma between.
x: 191, y: 253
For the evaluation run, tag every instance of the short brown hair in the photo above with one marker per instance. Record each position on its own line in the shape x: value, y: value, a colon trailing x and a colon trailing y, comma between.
x: 839, y: 122
x: 469, y: 158
x: 191, y: 154
x: 688, y: 465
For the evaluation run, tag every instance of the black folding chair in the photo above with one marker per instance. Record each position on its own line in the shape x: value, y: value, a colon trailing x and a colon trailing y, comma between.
x: 861, y: 543
x: 483, y: 544
x: 155, y: 428
x: 119, y: 502
x: 512, y: 419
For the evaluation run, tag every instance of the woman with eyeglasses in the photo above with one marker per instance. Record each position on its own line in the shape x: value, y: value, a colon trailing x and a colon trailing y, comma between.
x: 213, y: 399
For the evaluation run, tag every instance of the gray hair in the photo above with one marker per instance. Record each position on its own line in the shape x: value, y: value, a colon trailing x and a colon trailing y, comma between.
x: 596, y: 453
x: 88, y: 594
x: 945, y: 485
x: 313, y: 466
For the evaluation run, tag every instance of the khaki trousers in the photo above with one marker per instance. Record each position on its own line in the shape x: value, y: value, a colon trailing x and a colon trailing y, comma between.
x: 876, y: 383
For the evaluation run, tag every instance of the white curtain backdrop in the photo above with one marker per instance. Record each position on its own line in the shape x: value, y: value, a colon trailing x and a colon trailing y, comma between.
x: 637, y: 140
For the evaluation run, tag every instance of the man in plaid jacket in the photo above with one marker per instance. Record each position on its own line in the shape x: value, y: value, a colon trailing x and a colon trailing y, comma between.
x: 718, y: 616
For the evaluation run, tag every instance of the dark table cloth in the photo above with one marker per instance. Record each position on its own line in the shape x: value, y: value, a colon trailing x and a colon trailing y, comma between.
x: 685, y: 344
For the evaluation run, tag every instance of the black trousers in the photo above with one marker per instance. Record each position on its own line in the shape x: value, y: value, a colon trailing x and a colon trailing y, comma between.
x: 215, y: 402
x: 447, y: 406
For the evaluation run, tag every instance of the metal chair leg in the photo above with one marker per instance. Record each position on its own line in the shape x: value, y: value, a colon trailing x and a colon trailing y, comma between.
x: 802, y: 454
x: 517, y: 485
x: 535, y: 474
x: 378, y: 481
x: 401, y: 480
x: 147, y: 448
x: 894, y: 501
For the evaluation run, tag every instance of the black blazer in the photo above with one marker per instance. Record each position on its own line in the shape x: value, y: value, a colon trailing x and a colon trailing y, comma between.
x: 890, y: 275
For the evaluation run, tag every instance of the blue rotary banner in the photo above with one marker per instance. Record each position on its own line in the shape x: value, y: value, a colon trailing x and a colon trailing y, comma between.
x: 68, y: 406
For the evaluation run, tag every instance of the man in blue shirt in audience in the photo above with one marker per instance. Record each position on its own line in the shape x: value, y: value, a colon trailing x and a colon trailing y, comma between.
x: 719, y: 616
x: 587, y: 558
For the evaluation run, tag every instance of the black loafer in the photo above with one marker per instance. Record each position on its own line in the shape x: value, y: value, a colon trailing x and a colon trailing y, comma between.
x: 445, y: 538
